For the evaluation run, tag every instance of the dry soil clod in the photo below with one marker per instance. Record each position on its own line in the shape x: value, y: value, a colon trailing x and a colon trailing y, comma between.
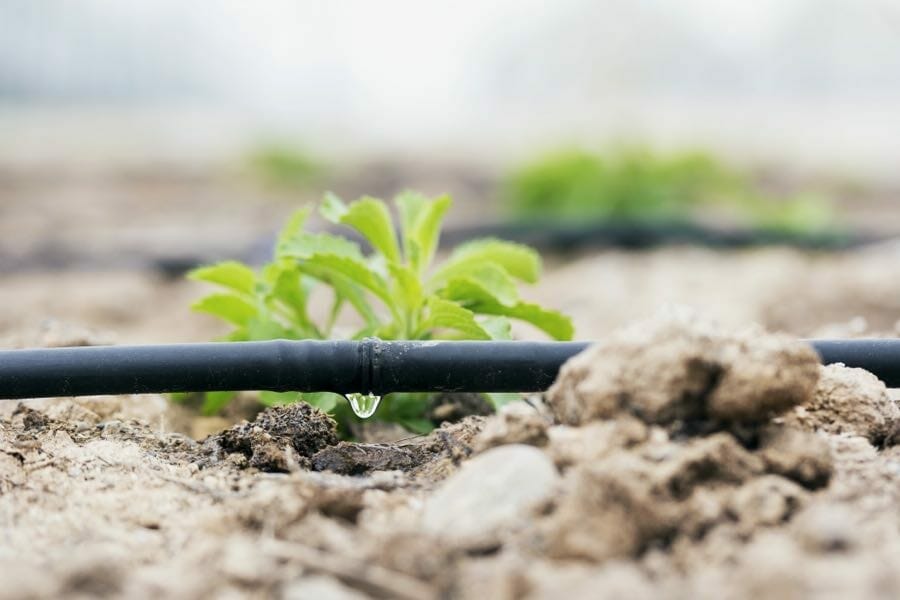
x: 281, y: 439
x: 849, y: 401
x: 681, y: 372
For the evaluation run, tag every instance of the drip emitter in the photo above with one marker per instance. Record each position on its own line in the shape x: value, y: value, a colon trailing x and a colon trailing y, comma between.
x: 369, y: 366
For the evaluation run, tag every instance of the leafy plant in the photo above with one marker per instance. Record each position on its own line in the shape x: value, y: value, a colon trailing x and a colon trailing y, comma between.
x: 632, y: 184
x: 803, y: 213
x: 396, y: 291
x: 284, y: 166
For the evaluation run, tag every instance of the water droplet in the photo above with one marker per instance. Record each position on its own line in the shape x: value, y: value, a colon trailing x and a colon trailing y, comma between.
x: 363, y: 405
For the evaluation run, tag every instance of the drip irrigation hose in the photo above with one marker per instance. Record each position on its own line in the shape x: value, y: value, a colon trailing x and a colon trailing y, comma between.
x: 548, y: 234
x: 367, y: 366
x: 545, y: 236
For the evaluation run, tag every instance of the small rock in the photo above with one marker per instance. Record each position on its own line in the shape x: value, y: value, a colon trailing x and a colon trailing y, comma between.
x: 490, y: 492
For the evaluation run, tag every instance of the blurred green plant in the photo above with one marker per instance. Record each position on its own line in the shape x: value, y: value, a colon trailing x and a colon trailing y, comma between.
x: 396, y: 291
x: 284, y: 166
x: 802, y: 213
x: 636, y: 185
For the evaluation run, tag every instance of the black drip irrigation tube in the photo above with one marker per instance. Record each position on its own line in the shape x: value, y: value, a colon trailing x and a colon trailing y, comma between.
x: 367, y: 366
x: 545, y: 236
x: 643, y: 235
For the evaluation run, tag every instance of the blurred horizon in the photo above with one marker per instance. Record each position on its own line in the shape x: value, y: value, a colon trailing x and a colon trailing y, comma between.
x: 809, y: 85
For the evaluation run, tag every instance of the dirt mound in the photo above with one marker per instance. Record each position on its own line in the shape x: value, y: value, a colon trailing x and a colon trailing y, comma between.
x: 280, y: 439
x: 680, y: 371
x: 672, y: 439
x: 675, y: 459
x: 849, y: 401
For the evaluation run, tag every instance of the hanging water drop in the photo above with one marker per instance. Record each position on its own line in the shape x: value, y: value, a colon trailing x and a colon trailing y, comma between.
x: 363, y: 405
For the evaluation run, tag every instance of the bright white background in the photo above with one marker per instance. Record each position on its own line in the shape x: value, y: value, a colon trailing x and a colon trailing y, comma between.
x: 810, y: 81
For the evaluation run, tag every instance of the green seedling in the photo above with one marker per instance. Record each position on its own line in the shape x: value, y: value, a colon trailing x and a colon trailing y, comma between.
x: 395, y: 291
x: 635, y: 185
x: 630, y: 184
x: 284, y: 167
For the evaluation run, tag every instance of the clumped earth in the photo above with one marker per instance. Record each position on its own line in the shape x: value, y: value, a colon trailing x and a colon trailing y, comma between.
x: 675, y: 459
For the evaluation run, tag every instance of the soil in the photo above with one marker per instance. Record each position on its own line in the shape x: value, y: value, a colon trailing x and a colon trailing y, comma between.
x: 676, y: 458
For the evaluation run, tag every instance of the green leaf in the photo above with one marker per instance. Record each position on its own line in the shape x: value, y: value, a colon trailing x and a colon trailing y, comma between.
x: 499, y: 328
x: 444, y: 314
x: 324, y: 401
x: 350, y: 268
x: 402, y: 405
x: 229, y: 307
x: 553, y: 323
x: 238, y: 335
x: 332, y: 207
x: 287, y: 289
x: 367, y: 331
x: 501, y: 399
x: 472, y: 296
x: 409, y: 288
x: 214, y: 402
x: 370, y: 217
x: 518, y: 260
x: 338, y: 262
x: 346, y: 289
x: 278, y: 398
x: 485, y: 283
x: 294, y: 225
x: 420, y: 426
x: 409, y: 205
x: 420, y: 220
x: 267, y: 329
x: 304, y: 245
x: 228, y: 274
x: 180, y: 397
x: 287, y: 294
x: 389, y: 331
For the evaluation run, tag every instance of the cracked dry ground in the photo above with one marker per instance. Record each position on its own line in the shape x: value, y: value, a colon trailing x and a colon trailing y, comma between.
x: 674, y: 459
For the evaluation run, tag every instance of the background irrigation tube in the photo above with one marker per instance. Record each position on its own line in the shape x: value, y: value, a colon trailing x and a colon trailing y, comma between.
x: 367, y: 366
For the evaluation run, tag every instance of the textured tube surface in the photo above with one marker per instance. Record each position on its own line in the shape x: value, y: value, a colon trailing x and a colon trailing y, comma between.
x: 335, y: 366
x: 274, y: 365
x: 469, y: 366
